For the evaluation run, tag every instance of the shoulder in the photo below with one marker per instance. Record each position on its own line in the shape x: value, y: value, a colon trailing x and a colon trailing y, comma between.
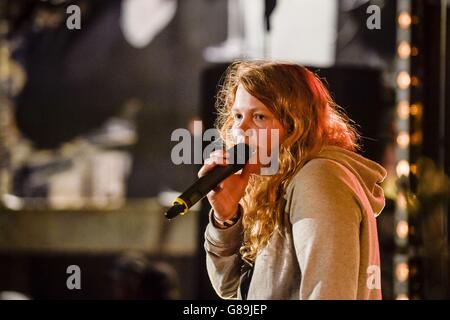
x: 322, y: 187
x: 321, y: 171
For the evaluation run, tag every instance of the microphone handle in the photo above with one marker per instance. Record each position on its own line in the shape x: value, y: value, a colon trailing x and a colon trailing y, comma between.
x: 207, y: 183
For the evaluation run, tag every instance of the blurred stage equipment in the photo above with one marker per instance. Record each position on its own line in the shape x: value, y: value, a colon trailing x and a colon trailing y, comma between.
x: 358, y: 45
x: 82, y: 157
x: 269, y: 6
x: 142, y: 20
x: 245, y: 32
x: 302, y: 31
x: 12, y: 80
x: 90, y: 171
x: 421, y: 262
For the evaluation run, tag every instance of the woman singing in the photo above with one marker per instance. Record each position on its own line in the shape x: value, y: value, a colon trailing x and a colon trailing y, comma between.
x: 307, y: 231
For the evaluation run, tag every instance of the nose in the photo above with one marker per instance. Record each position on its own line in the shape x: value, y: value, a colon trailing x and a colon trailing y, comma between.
x: 244, y: 130
x: 245, y: 123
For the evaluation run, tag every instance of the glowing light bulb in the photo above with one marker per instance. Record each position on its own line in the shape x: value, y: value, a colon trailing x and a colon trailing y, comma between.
x: 404, y: 20
x: 402, y: 229
x: 404, y: 50
x: 403, y: 140
x: 402, y: 271
x: 403, y: 80
x: 403, y: 110
x: 402, y: 168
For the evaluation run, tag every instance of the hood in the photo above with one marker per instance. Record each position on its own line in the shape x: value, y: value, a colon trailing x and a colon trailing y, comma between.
x: 369, y: 173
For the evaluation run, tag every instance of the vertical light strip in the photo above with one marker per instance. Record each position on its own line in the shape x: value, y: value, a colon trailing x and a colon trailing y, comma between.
x: 403, y: 105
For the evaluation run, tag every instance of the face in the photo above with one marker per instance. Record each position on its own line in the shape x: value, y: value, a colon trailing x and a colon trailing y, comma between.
x: 251, y: 116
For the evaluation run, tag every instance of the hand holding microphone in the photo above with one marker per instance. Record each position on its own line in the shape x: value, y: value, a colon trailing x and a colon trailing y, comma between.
x: 218, y: 181
x: 225, y: 198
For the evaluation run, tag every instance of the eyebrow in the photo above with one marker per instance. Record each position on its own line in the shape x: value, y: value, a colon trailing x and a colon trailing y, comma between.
x: 251, y: 109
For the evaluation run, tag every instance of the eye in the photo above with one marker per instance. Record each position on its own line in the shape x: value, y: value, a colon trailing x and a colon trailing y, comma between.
x: 259, y: 116
x: 237, y: 116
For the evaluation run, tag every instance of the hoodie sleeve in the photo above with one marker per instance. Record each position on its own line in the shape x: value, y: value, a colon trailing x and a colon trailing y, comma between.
x: 325, y: 217
x: 223, y: 260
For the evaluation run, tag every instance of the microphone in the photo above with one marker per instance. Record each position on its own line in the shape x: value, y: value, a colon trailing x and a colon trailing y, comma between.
x: 239, y: 155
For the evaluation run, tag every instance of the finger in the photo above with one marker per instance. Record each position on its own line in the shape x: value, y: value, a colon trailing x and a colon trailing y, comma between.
x: 219, y: 156
x: 220, y: 159
x: 203, y: 170
x: 209, y: 165
x: 219, y: 153
x: 215, y: 191
x: 216, y: 160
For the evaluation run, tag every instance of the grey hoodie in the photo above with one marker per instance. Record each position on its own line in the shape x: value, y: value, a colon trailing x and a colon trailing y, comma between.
x: 327, y: 247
